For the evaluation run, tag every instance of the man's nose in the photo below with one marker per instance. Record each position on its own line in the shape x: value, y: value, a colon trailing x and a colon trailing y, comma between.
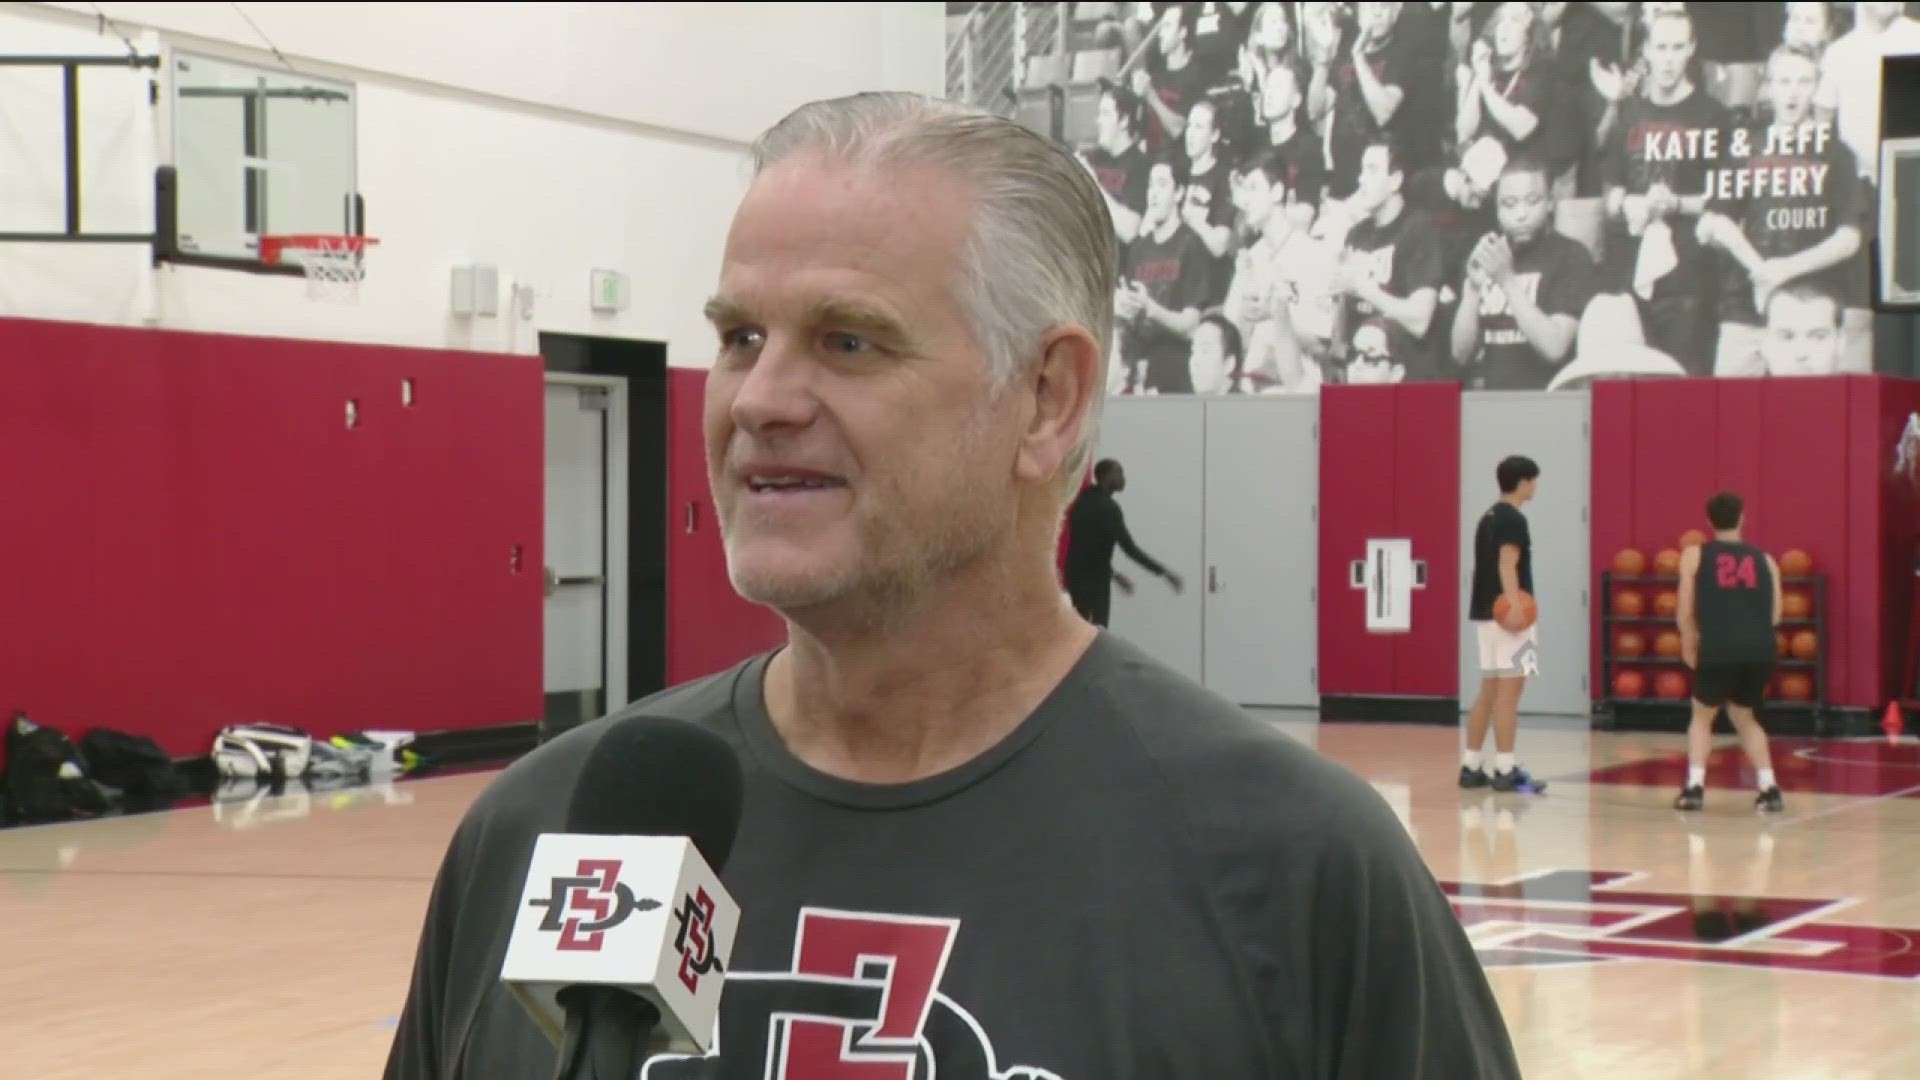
x: 779, y: 389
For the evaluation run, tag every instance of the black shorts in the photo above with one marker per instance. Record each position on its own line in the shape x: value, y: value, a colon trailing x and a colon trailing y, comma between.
x: 1738, y: 682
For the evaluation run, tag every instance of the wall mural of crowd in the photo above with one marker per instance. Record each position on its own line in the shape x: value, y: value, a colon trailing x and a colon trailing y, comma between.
x: 1514, y: 195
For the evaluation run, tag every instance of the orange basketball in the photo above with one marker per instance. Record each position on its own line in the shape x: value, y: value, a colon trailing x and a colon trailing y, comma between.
x: 1796, y: 687
x: 1504, y: 614
x: 1629, y: 684
x: 1629, y: 562
x: 1629, y: 604
x: 1805, y: 644
x: 1667, y: 562
x: 1670, y: 684
x: 1666, y: 604
x: 1795, y: 604
x: 1629, y: 643
x: 1691, y: 538
x: 1796, y: 563
x: 1780, y: 643
x: 1667, y: 644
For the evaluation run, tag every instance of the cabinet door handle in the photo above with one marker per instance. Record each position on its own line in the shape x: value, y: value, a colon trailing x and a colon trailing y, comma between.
x: 693, y: 516
x: 1213, y: 580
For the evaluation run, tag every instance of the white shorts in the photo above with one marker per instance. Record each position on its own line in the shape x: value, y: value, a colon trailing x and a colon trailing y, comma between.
x: 1505, y: 654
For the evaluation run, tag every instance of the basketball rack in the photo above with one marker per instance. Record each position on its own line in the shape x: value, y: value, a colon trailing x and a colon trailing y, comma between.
x: 1649, y: 712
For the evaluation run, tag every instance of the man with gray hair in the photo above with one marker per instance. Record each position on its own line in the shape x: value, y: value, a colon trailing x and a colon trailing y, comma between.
x: 981, y: 838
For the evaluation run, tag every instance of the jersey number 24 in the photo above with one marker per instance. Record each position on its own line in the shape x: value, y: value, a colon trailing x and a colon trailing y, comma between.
x: 1735, y: 571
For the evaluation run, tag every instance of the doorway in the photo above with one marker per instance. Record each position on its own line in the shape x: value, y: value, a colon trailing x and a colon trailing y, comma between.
x: 584, y: 616
x: 605, y: 565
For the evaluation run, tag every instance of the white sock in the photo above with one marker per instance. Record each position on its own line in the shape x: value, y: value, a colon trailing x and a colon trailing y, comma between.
x: 1766, y: 779
x: 1697, y: 776
x: 1503, y: 763
x: 1469, y: 759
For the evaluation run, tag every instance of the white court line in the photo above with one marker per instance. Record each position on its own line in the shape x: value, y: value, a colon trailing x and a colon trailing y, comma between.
x: 1821, y: 756
x: 1844, y: 807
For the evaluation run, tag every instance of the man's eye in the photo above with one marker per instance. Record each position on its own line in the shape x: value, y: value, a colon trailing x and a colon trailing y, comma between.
x: 849, y: 344
x: 742, y: 338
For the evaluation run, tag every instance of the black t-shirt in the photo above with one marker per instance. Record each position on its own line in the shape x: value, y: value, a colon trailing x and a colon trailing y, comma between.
x: 1501, y: 525
x: 1398, y: 63
x: 1650, y: 144
x: 1644, y: 150
x: 1112, y: 892
x: 1095, y: 526
x: 1809, y: 194
x: 1178, y: 89
x: 1555, y: 136
x: 1403, y: 255
x: 1303, y: 164
x: 1218, y: 180
x: 1123, y: 176
x: 1218, y: 33
x: 1557, y: 273
x: 1741, y: 33
x: 1429, y: 111
x: 1458, y: 226
x: 1178, y: 273
x: 1733, y: 598
x: 1584, y: 36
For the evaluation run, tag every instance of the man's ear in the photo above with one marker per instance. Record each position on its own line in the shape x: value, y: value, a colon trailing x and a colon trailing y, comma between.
x: 1063, y: 385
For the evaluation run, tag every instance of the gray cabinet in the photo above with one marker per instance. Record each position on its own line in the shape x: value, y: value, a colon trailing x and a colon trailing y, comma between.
x: 1262, y: 549
x: 1552, y: 429
x: 1162, y: 443
x: 1222, y: 490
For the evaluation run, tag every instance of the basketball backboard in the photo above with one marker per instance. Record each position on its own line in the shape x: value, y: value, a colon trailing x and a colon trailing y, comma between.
x: 257, y: 150
x: 230, y: 151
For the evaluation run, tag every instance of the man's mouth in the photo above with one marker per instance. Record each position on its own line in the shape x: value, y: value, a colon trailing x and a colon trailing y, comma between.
x: 781, y: 482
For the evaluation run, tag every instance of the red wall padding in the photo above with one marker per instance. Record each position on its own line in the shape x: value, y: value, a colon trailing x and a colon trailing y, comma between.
x: 1881, y: 408
x: 1390, y: 467
x: 709, y: 627
x: 1802, y: 452
x: 1426, y: 440
x: 194, y: 538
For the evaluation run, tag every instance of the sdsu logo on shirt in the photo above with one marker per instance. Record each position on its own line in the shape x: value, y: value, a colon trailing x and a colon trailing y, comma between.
x: 862, y: 999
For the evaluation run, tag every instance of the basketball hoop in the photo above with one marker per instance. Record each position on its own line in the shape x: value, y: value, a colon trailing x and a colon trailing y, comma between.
x: 334, y: 262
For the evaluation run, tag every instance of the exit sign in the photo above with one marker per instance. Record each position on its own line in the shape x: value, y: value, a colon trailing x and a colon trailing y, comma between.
x: 607, y: 290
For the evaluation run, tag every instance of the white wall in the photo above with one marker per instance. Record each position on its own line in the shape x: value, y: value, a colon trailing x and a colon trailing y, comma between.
x: 546, y: 139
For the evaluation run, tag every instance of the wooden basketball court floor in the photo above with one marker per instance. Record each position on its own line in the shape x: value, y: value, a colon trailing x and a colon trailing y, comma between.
x: 272, y: 937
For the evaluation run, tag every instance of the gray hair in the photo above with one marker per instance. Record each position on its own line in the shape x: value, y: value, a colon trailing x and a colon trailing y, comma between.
x: 1041, y: 251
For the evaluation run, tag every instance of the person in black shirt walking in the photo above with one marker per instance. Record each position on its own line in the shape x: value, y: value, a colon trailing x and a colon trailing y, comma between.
x: 1502, y: 566
x: 1095, y: 524
x: 1729, y: 606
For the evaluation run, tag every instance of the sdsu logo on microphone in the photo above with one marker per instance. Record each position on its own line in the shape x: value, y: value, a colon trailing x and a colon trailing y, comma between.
x: 584, y: 907
x: 695, y: 939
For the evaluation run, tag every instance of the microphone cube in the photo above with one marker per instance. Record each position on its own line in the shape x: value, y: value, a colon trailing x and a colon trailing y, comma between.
x: 642, y: 913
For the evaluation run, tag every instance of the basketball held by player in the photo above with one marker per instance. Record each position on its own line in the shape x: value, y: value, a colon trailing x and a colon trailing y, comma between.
x: 1729, y: 609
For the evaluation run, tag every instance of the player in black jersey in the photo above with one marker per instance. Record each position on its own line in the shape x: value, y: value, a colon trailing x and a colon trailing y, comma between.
x: 1729, y: 606
x: 1095, y: 526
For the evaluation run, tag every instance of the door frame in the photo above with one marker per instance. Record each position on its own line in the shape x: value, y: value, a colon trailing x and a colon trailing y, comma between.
x: 613, y: 608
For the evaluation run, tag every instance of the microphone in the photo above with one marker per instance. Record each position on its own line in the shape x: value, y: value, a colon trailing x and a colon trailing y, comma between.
x: 623, y: 932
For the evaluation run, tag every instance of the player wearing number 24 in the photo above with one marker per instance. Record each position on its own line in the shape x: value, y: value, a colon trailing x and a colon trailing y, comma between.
x: 1729, y: 605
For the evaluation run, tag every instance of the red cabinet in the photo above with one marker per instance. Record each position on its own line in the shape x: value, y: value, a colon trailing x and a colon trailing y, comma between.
x: 1390, y: 468
x: 709, y: 627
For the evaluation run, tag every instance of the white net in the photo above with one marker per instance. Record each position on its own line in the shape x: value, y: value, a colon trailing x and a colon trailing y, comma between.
x: 335, y: 265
